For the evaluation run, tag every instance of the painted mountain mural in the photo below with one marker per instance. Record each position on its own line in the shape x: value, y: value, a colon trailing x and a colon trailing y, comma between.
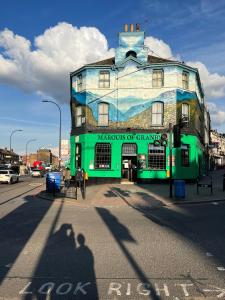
x: 128, y: 107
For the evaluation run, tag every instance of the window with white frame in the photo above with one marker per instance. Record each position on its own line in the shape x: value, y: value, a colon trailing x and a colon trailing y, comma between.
x: 103, y: 156
x: 104, y: 79
x: 103, y: 114
x: 185, y: 80
x: 79, y: 82
x: 78, y: 116
x: 185, y: 111
x: 157, y: 113
x: 157, y: 78
x: 156, y: 157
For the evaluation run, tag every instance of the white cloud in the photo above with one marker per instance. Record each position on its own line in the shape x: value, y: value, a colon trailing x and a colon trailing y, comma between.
x: 44, y: 68
x: 158, y: 47
x: 214, y: 84
x: 218, y: 118
x: 217, y: 115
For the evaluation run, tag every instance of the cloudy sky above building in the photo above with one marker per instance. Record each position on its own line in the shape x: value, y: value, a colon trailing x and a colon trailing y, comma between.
x: 42, y: 41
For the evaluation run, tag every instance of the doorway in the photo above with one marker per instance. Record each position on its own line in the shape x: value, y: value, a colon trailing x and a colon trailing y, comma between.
x: 129, y: 162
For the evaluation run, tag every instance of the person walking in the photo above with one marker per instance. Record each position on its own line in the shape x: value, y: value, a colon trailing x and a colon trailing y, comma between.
x: 67, y: 177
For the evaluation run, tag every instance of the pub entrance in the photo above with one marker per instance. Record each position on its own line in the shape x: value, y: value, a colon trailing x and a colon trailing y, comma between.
x: 129, y: 162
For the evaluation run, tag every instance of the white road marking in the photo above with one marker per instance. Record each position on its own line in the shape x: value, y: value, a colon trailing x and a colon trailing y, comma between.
x: 164, y: 289
x: 216, y: 289
x: 209, y: 254
x: 220, y: 268
x: 215, y: 203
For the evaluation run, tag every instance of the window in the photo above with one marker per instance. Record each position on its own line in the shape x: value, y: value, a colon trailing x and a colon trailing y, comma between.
x: 185, y: 111
x: 157, y: 113
x: 156, y: 157
x: 79, y: 82
x: 185, y: 161
x: 79, y: 116
x: 185, y: 80
x: 157, y: 78
x: 102, y: 156
x: 129, y: 149
x: 104, y: 79
x: 131, y: 53
x: 103, y: 114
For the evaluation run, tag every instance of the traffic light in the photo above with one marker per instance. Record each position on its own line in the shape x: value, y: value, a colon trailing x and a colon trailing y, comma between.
x: 176, y: 136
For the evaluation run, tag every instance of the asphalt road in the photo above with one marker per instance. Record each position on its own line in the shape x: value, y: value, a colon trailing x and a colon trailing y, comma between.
x: 63, y: 251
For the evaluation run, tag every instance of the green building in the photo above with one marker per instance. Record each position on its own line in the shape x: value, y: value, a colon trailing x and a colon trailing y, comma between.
x: 121, y: 108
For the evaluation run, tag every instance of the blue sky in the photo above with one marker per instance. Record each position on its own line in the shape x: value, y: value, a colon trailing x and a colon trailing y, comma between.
x: 191, y: 30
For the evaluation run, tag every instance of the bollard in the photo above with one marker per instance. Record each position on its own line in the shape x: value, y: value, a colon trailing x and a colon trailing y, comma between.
x: 223, y: 182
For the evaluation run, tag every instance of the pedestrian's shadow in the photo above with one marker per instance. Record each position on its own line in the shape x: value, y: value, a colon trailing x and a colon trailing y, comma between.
x: 64, y: 271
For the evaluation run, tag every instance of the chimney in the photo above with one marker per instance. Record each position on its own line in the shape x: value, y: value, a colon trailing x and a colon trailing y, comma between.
x: 131, y: 27
x: 138, y: 27
x: 126, y: 27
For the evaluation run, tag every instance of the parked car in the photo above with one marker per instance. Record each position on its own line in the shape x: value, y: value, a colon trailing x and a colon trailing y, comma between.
x: 37, y: 173
x: 8, y: 176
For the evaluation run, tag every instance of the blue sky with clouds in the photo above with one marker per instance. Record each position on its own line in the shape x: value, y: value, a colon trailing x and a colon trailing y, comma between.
x: 42, y: 41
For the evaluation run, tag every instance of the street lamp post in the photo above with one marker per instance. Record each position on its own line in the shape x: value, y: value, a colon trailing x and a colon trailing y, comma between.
x: 60, y: 125
x: 10, y: 140
x: 32, y: 140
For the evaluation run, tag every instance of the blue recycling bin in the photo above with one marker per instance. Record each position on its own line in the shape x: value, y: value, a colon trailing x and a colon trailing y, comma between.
x: 179, y: 188
x: 53, y: 182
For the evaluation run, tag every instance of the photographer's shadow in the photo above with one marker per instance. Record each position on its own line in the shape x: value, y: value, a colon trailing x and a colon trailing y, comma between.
x: 64, y: 271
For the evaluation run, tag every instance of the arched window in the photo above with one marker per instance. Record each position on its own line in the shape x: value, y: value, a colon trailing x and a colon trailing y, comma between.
x: 157, y: 113
x: 103, y: 114
x: 185, y: 112
x: 131, y: 53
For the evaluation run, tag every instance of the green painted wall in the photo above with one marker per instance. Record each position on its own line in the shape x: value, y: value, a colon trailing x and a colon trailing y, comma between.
x: 89, y: 140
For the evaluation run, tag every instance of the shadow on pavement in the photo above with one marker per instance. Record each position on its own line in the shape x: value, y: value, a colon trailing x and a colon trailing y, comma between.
x: 65, y: 269
x: 122, y: 234
x: 16, y: 228
x: 201, y: 224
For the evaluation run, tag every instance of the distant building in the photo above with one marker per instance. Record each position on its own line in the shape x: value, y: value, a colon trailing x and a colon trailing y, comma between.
x: 65, y: 150
x: 9, y: 157
x: 217, y: 150
x: 45, y: 155
x: 121, y: 108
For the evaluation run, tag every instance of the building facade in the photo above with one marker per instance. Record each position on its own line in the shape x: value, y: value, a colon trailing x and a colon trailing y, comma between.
x: 121, y: 108
x: 217, y: 150
x: 8, y: 157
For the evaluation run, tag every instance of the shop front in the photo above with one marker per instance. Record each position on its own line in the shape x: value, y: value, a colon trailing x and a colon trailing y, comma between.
x: 134, y: 156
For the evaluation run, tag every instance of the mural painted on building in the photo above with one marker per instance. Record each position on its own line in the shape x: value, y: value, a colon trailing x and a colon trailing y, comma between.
x: 139, y: 95
x: 136, y: 112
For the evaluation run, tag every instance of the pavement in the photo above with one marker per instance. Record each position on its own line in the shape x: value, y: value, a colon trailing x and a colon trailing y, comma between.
x: 141, y: 196
x: 61, y: 250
